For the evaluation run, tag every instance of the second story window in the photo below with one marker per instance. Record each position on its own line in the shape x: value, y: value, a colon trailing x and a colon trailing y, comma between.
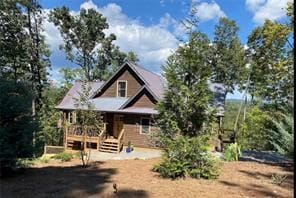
x: 121, y: 88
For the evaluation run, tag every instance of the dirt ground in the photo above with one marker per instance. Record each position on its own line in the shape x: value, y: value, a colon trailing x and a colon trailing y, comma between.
x: 134, y: 178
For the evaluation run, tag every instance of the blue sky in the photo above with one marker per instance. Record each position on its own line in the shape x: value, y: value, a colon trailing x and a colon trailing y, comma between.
x: 151, y: 28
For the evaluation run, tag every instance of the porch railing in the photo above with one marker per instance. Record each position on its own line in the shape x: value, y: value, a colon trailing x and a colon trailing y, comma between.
x: 120, y: 138
x: 78, y: 130
x: 86, y: 134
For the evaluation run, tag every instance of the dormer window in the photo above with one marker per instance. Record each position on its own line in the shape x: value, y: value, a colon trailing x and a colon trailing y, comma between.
x: 121, y: 88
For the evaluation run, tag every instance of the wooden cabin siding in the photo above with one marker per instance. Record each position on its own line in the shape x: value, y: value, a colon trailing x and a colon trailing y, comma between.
x: 133, y: 85
x: 143, y: 101
x: 132, y: 124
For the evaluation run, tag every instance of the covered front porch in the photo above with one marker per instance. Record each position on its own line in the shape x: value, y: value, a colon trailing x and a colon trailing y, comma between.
x: 108, y: 139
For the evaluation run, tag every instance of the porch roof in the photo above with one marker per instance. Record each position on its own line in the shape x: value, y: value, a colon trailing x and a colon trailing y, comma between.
x: 139, y: 110
x: 108, y: 104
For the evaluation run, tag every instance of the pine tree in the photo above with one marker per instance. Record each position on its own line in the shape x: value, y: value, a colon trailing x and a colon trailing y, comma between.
x: 185, y: 107
x: 228, y: 55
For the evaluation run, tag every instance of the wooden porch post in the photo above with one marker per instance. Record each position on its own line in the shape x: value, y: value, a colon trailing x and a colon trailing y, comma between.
x: 84, y: 144
x: 65, y: 129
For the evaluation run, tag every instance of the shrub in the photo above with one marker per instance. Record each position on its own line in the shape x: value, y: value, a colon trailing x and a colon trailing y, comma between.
x: 186, y: 156
x: 282, y: 137
x: 44, y: 160
x: 64, y: 157
x: 254, y: 132
x: 232, y: 152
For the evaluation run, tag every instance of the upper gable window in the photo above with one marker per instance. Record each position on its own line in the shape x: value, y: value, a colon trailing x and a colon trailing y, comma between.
x: 121, y: 88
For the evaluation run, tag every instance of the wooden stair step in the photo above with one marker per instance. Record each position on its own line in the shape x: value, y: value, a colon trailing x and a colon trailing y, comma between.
x: 111, y: 140
x: 108, y: 151
x: 109, y: 147
x: 116, y: 145
x: 112, y: 144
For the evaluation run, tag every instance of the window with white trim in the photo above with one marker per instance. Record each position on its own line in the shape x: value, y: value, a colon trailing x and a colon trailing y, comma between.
x: 145, y: 126
x: 121, y: 88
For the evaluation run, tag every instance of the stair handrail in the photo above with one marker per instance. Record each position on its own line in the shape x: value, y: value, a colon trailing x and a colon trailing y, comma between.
x: 102, y: 135
x: 120, y: 139
x: 121, y: 135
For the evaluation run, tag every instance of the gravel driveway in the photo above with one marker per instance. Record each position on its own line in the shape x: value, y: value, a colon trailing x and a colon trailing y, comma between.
x: 268, y: 157
x: 138, y: 153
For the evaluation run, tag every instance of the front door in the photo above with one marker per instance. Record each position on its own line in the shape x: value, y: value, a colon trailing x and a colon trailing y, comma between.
x: 117, y: 125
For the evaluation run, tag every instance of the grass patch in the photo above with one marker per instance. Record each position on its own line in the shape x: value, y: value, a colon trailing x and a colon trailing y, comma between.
x: 64, y: 157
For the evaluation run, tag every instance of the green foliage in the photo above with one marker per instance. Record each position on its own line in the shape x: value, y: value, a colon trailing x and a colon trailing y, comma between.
x: 24, y: 54
x: 43, y: 160
x: 271, y: 64
x: 17, y: 123
x: 82, y: 34
x: 186, y: 156
x: 64, y: 157
x: 86, y: 116
x: 132, y: 56
x: 231, y: 111
x: 282, y: 136
x: 185, y: 107
x: 69, y: 76
x: 254, y: 131
x: 228, y: 55
x: 49, y: 133
x: 232, y: 152
x: 24, y: 162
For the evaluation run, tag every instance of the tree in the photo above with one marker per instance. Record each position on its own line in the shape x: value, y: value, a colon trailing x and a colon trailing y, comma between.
x: 185, y: 107
x: 16, y: 124
x: 50, y: 133
x: 228, y: 55
x: 69, y: 76
x: 24, y: 54
x: 282, y: 136
x: 89, y: 119
x: 132, y: 56
x: 13, y: 37
x: 271, y: 72
x: 82, y: 35
x: 254, y: 132
x: 37, y: 50
x: 109, y: 58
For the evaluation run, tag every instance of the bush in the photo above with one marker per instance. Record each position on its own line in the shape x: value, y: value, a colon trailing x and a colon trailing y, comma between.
x: 16, y: 125
x: 254, y: 133
x: 232, y: 152
x: 186, y: 156
x: 64, y: 157
x: 282, y: 137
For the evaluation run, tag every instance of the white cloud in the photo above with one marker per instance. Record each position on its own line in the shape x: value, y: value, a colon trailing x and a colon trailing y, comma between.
x: 153, y: 44
x: 267, y: 9
x: 88, y: 5
x: 208, y: 11
x: 167, y: 20
x: 51, y: 33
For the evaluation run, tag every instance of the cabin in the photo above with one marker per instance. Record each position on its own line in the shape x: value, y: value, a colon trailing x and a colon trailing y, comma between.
x: 126, y: 102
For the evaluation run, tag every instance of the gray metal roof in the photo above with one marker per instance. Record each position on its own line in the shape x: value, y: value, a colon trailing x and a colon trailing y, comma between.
x: 69, y: 101
x: 155, y: 82
x: 219, y: 97
x: 108, y: 104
